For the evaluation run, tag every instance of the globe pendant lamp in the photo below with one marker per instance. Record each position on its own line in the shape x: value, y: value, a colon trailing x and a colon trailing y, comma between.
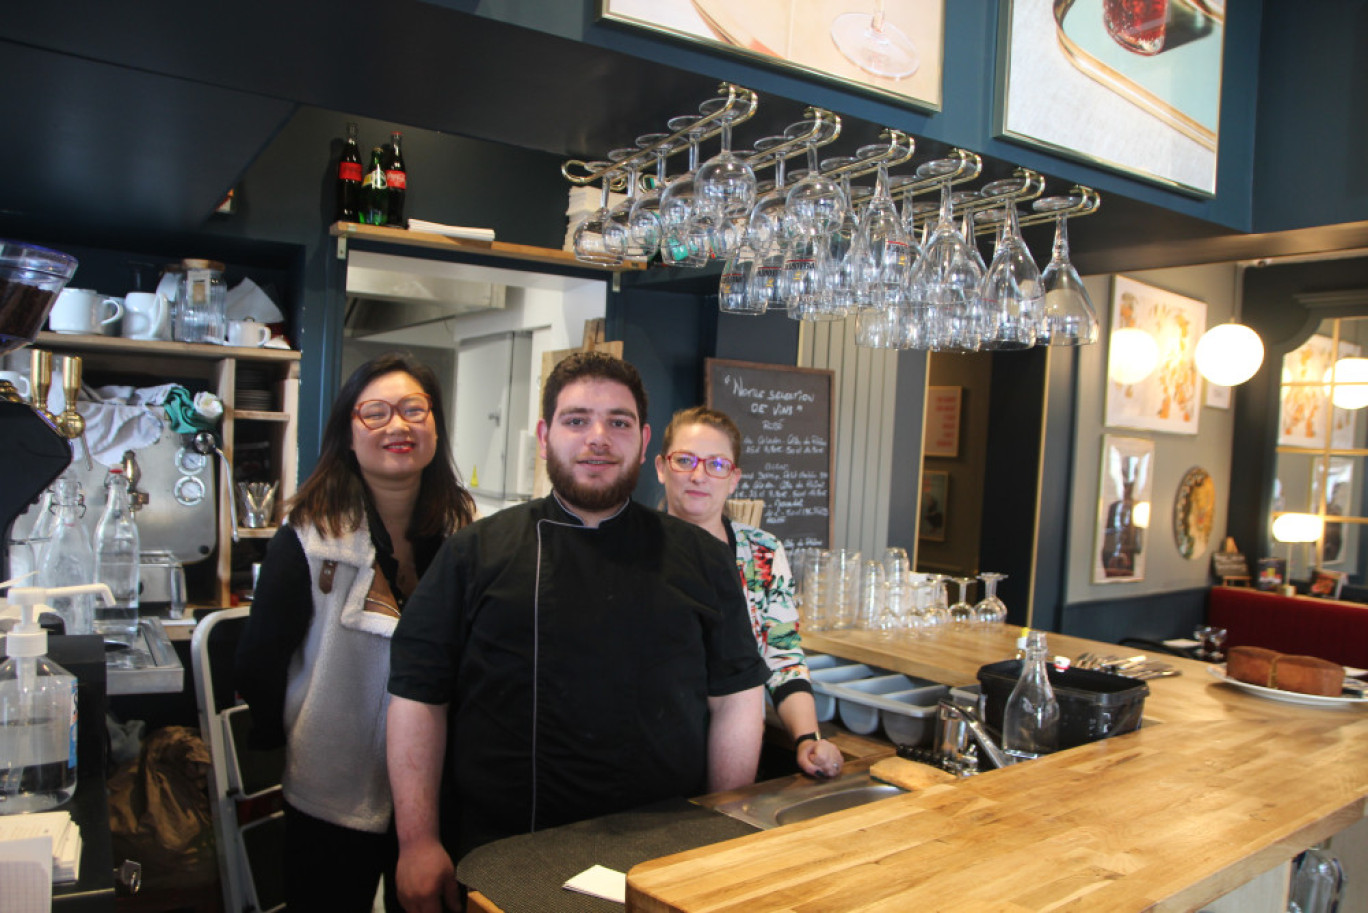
x: 1229, y: 354
x: 1350, y: 383
x: 1134, y: 355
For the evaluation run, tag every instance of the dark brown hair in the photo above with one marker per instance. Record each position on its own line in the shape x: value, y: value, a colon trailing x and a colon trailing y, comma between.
x: 702, y: 415
x: 599, y: 365
x: 334, y: 496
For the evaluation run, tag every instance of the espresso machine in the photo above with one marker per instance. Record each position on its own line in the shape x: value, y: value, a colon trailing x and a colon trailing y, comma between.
x: 34, y: 448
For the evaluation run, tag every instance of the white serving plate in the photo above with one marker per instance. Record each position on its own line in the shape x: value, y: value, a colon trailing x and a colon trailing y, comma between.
x: 1290, y: 697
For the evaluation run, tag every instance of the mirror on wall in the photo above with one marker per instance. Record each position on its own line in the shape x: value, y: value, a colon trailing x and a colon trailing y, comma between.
x: 1322, y: 457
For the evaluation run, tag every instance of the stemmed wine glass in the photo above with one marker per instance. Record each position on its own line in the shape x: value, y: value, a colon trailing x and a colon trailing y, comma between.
x: 596, y: 240
x: 837, y: 275
x: 1010, y: 291
x: 816, y: 204
x: 724, y: 187
x: 875, y: 45
x: 990, y: 609
x: 962, y: 612
x: 1069, y: 318
x: 944, y: 286
x: 883, y: 254
x: 618, y: 228
x: 684, y: 242
x: 643, y: 217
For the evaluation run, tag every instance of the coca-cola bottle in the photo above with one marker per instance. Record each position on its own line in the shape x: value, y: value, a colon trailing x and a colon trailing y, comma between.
x: 374, y: 199
x: 396, y: 180
x: 349, y: 173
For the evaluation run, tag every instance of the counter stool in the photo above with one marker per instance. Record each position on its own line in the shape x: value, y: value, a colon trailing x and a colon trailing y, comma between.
x: 249, y: 827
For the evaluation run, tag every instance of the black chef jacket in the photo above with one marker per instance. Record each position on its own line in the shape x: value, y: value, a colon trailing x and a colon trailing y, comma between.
x: 576, y: 664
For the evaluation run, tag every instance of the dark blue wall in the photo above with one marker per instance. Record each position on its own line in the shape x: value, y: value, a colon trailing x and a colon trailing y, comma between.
x: 1312, y: 130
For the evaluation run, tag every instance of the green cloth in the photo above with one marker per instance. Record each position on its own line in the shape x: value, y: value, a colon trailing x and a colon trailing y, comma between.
x: 181, y: 414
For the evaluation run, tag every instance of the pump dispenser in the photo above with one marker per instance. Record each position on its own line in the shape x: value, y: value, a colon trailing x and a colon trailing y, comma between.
x: 37, y: 708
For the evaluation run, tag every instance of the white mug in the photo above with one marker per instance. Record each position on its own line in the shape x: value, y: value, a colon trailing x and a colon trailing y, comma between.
x: 146, y: 316
x: 247, y: 333
x: 81, y: 310
x: 20, y: 382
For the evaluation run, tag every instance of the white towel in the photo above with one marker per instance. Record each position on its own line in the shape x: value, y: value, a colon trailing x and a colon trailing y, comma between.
x: 112, y: 428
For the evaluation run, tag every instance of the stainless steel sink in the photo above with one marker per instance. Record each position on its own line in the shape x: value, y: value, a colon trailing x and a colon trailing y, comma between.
x: 807, y: 799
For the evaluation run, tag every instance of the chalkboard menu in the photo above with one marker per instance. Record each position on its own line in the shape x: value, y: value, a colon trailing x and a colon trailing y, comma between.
x: 784, y: 414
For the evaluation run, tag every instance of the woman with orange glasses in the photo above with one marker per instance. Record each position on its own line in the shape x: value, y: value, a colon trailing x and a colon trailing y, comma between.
x: 698, y: 467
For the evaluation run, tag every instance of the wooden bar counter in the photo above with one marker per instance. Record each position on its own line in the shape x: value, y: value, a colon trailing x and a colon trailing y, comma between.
x: 1217, y: 787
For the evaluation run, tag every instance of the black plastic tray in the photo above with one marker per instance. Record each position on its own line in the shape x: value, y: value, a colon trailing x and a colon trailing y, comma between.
x: 1092, y: 705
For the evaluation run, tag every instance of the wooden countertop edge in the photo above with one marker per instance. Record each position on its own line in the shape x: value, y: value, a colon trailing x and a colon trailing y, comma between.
x: 1257, y: 782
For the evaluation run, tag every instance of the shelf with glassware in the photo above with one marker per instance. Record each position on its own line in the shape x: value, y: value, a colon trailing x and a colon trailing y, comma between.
x: 259, y: 390
x: 434, y: 241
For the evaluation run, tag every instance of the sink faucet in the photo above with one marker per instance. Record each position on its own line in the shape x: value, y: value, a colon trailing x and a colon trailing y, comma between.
x: 954, y: 720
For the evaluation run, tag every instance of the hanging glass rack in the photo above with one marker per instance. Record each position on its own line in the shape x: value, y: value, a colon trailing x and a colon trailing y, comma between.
x: 819, y: 127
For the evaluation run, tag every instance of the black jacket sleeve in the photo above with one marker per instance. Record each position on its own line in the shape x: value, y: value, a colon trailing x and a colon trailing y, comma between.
x: 282, y: 609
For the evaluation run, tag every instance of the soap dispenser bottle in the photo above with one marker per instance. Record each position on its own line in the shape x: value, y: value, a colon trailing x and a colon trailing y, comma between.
x: 37, y: 709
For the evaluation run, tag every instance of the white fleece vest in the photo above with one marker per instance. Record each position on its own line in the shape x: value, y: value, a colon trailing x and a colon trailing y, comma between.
x: 335, y: 696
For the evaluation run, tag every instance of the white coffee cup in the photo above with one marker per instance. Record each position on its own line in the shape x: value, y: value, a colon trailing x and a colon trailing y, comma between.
x: 20, y: 381
x: 146, y: 316
x: 247, y: 333
x: 82, y: 310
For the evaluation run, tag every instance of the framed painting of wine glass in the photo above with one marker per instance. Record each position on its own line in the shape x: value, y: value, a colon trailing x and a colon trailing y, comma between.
x: 1124, y: 498
x: 891, y: 48
x: 1130, y: 85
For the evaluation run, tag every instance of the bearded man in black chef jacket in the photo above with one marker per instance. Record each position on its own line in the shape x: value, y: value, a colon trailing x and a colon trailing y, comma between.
x: 571, y: 657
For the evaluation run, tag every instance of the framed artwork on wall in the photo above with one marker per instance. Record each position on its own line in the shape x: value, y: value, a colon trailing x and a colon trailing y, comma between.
x: 942, y: 431
x: 1131, y: 86
x: 1167, y: 398
x: 935, y: 502
x: 892, y: 48
x: 1125, y: 488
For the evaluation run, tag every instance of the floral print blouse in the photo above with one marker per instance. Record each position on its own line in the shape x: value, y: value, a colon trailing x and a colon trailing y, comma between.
x: 768, y: 584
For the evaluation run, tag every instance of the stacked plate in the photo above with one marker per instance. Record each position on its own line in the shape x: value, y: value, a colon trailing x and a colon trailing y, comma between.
x: 254, y: 389
x: 255, y: 400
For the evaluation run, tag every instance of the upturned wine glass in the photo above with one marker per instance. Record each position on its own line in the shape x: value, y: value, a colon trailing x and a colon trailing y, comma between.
x: 990, y: 609
x: 1069, y: 317
x: 874, y: 44
x: 724, y: 187
x: 765, y: 226
x: 814, y: 205
x: 596, y: 240
x: 837, y: 268
x: 945, y: 284
x: 962, y: 612
x: 683, y: 242
x: 643, y: 219
x: 619, y: 225
x: 883, y: 254
x: 1012, y: 298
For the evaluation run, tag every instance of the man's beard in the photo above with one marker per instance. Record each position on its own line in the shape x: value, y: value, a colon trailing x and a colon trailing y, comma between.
x: 590, y: 497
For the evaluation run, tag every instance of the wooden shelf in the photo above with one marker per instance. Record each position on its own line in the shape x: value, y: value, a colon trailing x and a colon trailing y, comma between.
x: 256, y: 416
x: 433, y: 241
x: 117, y: 345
